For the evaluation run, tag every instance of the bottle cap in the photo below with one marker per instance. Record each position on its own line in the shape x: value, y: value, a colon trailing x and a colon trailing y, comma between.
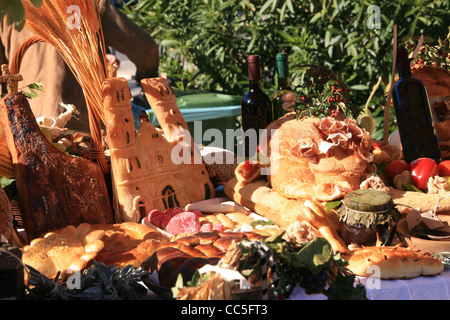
x: 282, y: 65
x: 253, y: 58
x: 254, y: 72
x: 282, y: 56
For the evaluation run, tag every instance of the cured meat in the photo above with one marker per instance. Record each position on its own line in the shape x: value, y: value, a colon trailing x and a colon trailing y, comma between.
x: 184, y: 222
x: 55, y: 189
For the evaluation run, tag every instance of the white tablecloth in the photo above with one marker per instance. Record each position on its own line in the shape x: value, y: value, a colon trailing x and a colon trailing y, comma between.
x: 420, y: 288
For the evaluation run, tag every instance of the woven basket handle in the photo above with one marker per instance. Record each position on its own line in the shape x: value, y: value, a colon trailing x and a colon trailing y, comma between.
x: 16, y: 61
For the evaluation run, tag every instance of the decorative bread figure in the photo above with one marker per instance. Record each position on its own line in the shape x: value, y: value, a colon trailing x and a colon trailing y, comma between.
x: 55, y: 189
x: 145, y: 177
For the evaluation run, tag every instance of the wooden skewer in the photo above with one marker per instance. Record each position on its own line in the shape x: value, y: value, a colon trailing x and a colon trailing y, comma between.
x: 387, y: 107
x: 419, y: 45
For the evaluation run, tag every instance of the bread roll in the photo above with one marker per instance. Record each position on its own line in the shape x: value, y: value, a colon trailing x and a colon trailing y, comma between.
x: 265, y: 201
x: 209, y: 250
x: 392, y: 263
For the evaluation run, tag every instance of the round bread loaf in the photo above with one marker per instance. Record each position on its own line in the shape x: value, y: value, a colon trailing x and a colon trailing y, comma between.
x: 318, y: 159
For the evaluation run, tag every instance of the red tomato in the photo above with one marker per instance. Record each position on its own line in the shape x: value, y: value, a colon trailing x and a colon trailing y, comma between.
x: 444, y: 168
x: 395, y: 167
x: 421, y: 170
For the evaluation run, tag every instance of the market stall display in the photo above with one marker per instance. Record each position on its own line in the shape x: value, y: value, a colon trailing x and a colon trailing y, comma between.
x: 325, y: 209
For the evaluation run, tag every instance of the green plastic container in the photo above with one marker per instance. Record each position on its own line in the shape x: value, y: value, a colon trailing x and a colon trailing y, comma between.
x: 207, y: 110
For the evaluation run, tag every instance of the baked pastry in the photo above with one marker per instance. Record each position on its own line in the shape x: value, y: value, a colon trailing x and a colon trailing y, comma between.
x: 146, y: 174
x: 6, y: 219
x: 187, y: 253
x: 238, y: 221
x: 318, y: 159
x: 55, y: 189
x: 423, y: 202
x: 66, y: 251
x: 392, y: 263
x: 269, y: 203
x: 6, y: 165
x: 128, y: 243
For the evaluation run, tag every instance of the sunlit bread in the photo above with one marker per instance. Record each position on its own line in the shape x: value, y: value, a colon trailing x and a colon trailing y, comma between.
x: 319, y: 159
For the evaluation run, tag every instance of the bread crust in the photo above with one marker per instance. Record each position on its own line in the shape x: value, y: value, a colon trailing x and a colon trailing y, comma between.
x: 318, y: 159
x: 67, y: 250
x: 392, y: 263
x: 6, y: 218
x: 128, y: 243
x: 178, y: 257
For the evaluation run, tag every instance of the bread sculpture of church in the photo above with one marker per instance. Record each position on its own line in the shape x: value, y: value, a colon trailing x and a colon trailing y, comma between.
x: 146, y: 169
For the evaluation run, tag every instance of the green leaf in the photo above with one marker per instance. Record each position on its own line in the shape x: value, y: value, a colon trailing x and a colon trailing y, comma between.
x: 315, y: 255
x: 410, y: 187
x: 16, y: 15
x: 37, y: 3
x: 330, y: 205
x: 360, y: 87
x: 344, y: 288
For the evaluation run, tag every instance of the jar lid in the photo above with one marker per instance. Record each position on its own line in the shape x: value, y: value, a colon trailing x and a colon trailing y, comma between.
x: 368, y: 208
x: 368, y: 200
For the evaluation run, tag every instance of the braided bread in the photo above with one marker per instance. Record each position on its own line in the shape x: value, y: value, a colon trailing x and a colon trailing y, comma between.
x: 187, y: 253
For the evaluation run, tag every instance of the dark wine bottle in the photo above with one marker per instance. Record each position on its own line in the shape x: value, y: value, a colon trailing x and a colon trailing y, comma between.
x: 413, y: 112
x: 284, y: 98
x: 256, y: 108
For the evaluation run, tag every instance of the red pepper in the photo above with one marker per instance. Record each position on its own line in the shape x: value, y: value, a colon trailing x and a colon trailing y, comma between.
x: 395, y: 167
x: 421, y: 170
x: 444, y: 168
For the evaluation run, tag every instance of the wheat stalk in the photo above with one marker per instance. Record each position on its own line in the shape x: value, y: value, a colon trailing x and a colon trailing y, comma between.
x: 82, y: 47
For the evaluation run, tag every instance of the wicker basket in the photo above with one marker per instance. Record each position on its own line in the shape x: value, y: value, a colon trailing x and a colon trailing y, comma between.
x: 97, y: 152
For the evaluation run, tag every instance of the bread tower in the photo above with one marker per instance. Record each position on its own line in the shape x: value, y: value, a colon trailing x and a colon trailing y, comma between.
x: 144, y: 175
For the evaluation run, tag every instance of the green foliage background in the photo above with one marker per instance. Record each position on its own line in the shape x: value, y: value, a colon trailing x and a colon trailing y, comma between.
x: 204, y: 44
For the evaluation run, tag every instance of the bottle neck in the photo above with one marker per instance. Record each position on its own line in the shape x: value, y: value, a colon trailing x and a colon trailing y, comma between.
x: 283, y: 83
x: 404, y: 72
x: 403, y: 64
x: 255, y: 84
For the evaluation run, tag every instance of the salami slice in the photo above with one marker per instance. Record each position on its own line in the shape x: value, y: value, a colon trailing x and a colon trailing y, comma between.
x: 184, y: 222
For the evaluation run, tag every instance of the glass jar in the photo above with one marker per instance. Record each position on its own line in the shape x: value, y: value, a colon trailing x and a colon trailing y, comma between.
x: 366, y: 216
